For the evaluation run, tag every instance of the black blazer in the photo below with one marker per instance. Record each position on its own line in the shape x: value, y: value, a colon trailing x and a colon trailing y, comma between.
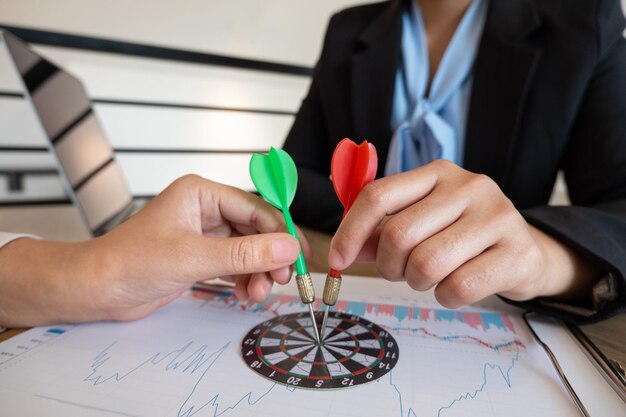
x: 549, y: 94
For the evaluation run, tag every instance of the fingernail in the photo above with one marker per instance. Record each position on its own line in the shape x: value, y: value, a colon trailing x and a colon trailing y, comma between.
x: 335, y: 260
x: 283, y: 250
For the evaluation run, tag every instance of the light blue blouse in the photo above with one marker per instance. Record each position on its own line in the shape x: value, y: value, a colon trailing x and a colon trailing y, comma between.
x: 431, y: 127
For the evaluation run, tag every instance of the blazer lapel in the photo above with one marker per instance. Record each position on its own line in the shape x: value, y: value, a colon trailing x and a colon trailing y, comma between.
x: 374, y: 64
x: 502, y: 72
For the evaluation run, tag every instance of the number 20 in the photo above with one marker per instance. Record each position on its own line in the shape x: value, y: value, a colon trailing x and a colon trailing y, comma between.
x: 293, y: 380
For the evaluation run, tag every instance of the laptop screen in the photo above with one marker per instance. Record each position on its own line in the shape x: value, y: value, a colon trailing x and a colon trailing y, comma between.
x: 85, y: 158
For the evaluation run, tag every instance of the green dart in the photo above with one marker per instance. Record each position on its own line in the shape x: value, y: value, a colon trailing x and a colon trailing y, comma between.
x: 276, y: 178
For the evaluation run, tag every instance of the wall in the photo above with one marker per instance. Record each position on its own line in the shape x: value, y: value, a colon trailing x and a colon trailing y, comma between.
x: 284, y: 31
x: 288, y: 31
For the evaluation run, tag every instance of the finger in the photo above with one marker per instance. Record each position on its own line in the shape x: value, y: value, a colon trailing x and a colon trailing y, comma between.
x: 304, y: 243
x: 208, y: 205
x: 493, y: 271
x: 243, y: 230
x: 440, y: 255
x: 404, y: 231
x: 237, y: 207
x: 223, y: 229
x: 214, y: 257
x: 370, y: 247
x: 378, y: 199
x: 241, y: 288
x: 246, y: 229
x: 246, y: 212
x: 259, y: 286
x: 282, y: 275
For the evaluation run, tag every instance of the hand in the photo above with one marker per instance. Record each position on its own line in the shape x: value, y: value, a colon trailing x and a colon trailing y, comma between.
x: 194, y: 230
x: 443, y: 226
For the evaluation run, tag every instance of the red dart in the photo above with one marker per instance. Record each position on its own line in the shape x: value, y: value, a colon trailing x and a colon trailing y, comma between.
x: 352, y: 168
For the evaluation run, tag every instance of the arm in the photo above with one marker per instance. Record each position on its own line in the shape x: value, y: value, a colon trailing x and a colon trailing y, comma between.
x: 594, y: 227
x: 194, y: 230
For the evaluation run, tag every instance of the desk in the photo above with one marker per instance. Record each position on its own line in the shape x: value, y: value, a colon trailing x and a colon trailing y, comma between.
x: 62, y: 222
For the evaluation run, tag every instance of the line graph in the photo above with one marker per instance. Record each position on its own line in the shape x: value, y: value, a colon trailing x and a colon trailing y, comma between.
x: 506, y: 376
x: 179, y: 360
x: 202, y: 360
x: 196, y: 360
x: 468, y: 395
x: 191, y: 363
x: 451, y: 363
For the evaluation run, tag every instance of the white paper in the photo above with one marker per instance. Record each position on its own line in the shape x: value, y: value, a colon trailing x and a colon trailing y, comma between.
x: 184, y: 360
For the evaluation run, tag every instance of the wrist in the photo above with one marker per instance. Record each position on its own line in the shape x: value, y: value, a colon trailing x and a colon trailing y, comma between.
x: 566, y: 275
x: 75, y: 293
x: 43, y: 282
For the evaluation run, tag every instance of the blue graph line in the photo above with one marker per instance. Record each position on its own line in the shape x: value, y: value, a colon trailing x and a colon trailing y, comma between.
x: 192, y: 362
x: 214, y: 402
x: 468, y: 395
x: 505, y: 375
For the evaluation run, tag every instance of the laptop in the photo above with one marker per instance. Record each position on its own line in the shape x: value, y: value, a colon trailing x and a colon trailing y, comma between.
x: 85, y: 160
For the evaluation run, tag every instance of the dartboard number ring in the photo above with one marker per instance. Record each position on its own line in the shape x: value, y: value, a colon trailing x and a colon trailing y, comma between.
x: 355, y: 351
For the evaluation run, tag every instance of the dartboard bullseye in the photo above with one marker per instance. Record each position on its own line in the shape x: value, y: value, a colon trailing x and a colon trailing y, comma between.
x: 354, y: 351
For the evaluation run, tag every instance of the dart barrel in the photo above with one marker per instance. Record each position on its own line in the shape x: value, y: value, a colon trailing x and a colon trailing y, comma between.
x: 305, y: 288
x: 331, y: 290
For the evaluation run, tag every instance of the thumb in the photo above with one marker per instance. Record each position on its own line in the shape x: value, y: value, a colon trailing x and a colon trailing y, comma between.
x: 248, y: 254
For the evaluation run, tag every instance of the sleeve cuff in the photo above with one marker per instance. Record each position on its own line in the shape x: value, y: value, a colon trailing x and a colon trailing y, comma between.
x: 604, y: 292
x: 6, y: 238
x: 608, y: 298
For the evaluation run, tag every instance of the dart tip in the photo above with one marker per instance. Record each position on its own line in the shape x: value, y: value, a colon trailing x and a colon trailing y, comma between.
x: 317, y: 333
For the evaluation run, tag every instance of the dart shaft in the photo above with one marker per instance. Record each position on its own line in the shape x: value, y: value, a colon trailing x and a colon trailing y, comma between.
x: 307, y: 295
x: 324, y: 321
x: 303, y: 278
x: 318, y: 340
x: 291, y: 228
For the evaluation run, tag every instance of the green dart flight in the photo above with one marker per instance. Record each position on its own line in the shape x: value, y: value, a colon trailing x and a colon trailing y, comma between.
x: 276, y: 179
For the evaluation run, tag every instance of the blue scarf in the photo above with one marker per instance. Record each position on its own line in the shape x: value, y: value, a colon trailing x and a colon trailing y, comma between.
x: 433, y: 127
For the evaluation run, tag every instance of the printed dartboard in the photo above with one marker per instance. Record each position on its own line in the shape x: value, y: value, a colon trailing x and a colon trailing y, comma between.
x: 354, y: 351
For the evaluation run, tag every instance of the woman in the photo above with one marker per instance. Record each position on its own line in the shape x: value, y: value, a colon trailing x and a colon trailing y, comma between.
x: 514, y: 90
